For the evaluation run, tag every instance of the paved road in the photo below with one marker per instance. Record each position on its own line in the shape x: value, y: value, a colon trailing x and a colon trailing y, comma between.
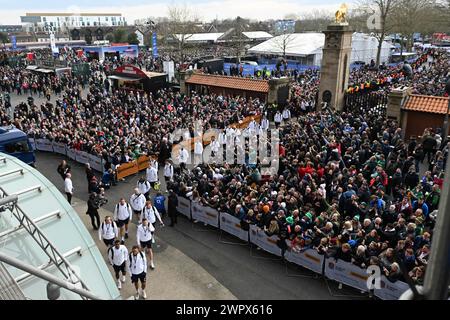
x: 183, y: 280
x: 245, y: 272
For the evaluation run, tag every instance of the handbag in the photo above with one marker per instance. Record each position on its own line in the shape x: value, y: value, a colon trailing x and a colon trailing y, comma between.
x: 157, y: 186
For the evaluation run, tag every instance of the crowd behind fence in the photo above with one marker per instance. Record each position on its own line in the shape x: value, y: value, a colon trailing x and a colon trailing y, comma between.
x: 328, y: 267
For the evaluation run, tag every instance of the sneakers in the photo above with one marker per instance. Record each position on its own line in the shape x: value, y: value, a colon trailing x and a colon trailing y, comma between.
x: 138, y: 295
x: 126, y: 235
x: 122, y: 242
x: 152, y: 265
x: 124, y: 279
x: 119, y: 284
x: 144, y: 294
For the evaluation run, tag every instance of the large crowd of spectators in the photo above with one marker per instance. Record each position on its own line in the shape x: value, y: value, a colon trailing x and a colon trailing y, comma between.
x: 347, y: 186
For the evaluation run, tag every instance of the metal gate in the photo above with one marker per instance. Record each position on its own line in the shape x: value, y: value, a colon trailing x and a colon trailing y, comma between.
x: 372, y: 103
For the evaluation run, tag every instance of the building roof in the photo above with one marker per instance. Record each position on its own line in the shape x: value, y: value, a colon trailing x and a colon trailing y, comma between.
x: 430, y: 104
x: 68, y: 14
x: 230, y: 82
x: 257, y: 35
x: 59, y: 223
x: 200, y: 37
x: 308, y: 43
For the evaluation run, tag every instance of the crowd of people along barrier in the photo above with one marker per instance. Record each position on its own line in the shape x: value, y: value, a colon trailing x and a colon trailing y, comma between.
x: 337, y: 270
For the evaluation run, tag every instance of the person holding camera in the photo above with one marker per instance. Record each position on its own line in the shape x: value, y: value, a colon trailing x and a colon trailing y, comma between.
x: 92, y: 210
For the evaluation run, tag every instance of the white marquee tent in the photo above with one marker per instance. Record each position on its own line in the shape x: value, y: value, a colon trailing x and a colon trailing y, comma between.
x: 309, y: 45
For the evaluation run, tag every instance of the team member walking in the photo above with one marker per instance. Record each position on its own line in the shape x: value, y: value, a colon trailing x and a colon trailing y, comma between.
x: 151, y: 214
x: 117, y: 256
x: 137, y: 266
x: 152, y: 176
x: 108, y: 231
x: 137, y: 201
x: 168, y: 172
x: 122, y: 215
x: 144, y: 236
x: 144, y: 187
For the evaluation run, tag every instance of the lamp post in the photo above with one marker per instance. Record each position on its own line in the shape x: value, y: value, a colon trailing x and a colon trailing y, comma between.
x: 445, y: 131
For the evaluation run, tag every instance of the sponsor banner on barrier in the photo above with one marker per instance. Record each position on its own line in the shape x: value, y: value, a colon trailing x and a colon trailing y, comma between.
x: 71, y: 153
x: 205, y: 214
x: 260, y: 238
x: 308, y: 259
x: 82, y: 157
x: 32, y: 142
x: 95, y: 162
x: 44, y: 145
x: 232, y: 225
x: 59, y: 148
x: 346, y: 273
x: 390, y: 290
x: 184, y: 206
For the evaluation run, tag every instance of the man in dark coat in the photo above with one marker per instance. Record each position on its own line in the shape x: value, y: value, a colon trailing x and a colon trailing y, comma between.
x: 172, y: 207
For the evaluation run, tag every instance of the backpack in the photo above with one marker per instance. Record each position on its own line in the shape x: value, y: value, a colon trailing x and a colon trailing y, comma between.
x: 131, y: 253
x: 157, y: 186
x: 128, y: 206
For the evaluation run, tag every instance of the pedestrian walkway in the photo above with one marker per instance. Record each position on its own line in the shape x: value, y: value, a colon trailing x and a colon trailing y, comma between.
x: 176, y: 276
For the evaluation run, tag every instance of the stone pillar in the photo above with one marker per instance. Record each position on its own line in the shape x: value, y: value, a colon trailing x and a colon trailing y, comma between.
x: 396, y: 99
x: 184, y: 75
x: 279, y: 85
x: 335, y: 67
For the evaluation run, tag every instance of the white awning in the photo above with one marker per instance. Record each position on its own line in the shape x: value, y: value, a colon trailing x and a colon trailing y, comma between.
x: 44, y: 70
x: 123, y: 78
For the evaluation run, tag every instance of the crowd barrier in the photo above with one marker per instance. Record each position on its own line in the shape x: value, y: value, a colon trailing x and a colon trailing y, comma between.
x: 337, y: 270
x: 124, y: 170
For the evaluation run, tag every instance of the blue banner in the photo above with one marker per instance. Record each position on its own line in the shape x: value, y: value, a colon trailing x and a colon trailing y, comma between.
x: 14, y: 42
x: 154, y: 45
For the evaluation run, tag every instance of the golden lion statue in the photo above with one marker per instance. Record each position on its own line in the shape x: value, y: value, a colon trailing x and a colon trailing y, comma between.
x: 341, y: 14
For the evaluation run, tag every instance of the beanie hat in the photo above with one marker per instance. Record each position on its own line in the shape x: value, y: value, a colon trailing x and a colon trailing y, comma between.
x: 309, y: 215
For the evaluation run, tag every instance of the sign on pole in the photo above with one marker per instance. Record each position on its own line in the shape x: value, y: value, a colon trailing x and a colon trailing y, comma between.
x: 53, y: 43
x: 14, y: 42
x: 154, y: 45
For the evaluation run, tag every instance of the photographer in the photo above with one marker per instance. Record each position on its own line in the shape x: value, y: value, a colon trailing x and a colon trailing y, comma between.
x: 94, y: 203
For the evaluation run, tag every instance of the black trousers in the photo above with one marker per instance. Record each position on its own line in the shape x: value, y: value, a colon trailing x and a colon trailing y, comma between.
x: 173, y: 217
x: 95, y: 219
x: 69, y: 197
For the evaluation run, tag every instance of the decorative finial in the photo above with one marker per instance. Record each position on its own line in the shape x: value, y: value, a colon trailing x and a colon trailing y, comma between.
x: 341, y: 14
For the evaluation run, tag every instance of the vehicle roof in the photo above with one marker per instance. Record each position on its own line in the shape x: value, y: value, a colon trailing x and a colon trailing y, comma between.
x: 10, y: 133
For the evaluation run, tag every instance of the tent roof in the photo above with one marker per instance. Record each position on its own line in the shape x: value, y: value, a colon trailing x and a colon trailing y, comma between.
x: 303, y: 44
x: 257, y: 35
x: 296, y: 44
x: 200, y: 36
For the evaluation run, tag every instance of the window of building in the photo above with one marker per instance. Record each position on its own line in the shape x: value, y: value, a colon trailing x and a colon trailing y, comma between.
x: 44, y: 19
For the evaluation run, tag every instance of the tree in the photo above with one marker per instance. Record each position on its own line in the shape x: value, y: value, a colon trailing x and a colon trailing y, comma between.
x: 283, y: 42
x: 316, y: 20
x: 181, y: 26
x: 132, y: 38
x: 119, y: 35
x: 237, y: 38
x: 4, y: 38
x: 380, y: 21
x: 413, y: 16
